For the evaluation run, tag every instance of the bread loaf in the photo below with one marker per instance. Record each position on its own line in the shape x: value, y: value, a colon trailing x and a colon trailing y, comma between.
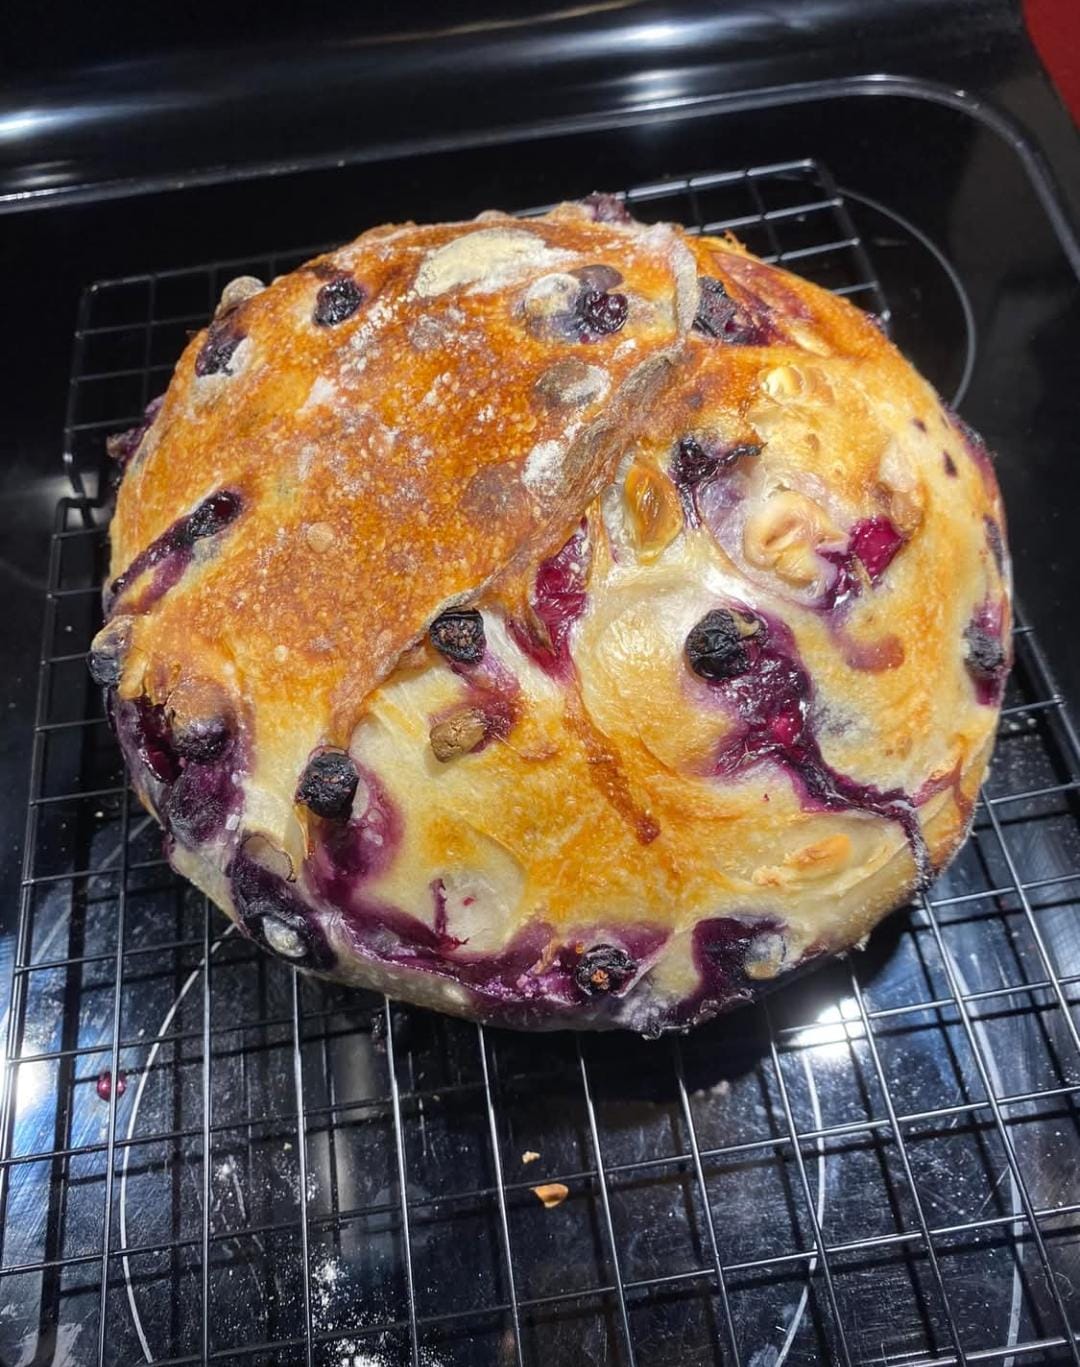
x: 557, y: 622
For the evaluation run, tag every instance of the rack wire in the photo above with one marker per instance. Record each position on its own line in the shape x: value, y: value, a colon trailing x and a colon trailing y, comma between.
x: 205, y: 1157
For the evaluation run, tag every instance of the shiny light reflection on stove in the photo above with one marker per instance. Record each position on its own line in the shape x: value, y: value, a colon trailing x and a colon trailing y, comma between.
x: 34, y: 1081
x: 833, y: 1031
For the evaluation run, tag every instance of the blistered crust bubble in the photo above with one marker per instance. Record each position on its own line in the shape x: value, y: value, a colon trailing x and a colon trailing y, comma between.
x: 561, y: 622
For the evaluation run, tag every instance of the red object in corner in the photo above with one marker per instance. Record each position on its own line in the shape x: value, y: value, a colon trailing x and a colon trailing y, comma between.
x: 1054, y: 26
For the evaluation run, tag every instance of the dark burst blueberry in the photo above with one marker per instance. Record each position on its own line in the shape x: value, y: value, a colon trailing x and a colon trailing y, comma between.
x: 337, y: 300
x: 172, y: 551
x: 695, y: 460
x: 328, y: 784
x: 601, y: 314
x: 203, y: 739
x: 197, y: 804
x: 715, y: 307
x: 212, y: 515
x: 716, y: 648
x: 984, y: 654
x: 606, y: 208
x: 108, y: 651
x: 105, y: 668
x: 718, y: 316
x: 692, y: 463
x: 216, y: 352
x: 459, y: 636
x: 604, y: 969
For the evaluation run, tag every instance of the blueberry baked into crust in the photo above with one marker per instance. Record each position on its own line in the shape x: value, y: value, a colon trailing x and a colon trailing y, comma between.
x: 561, y: 622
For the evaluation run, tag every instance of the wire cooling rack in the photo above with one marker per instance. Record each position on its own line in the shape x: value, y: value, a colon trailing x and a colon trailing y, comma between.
x: 206, y: 1157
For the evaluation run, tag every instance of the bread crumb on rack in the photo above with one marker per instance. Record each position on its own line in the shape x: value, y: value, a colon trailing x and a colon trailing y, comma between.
x: 551, y: 1194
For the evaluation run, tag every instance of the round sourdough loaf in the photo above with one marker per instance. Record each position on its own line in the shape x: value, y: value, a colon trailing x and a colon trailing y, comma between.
x: 559, y: 622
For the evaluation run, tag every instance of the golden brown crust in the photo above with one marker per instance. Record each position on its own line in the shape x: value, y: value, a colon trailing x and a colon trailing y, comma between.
x: 433, y: 449
x: 402, y: 433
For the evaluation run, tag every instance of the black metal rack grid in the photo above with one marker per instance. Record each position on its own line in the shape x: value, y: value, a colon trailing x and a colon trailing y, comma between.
x: 880, y: 1165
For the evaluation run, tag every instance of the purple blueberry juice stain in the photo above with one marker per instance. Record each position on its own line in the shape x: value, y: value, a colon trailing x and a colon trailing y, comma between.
x: 346, y: 854
x: 193, y: 799
x: 986, y: 655
x: 873, y: 657
x: 697, y: 461
x: 530, y: 980
x: 872, y: 542
x: 559, y: 599
x: 104, y: 1086
x: 446, y: 941
x: 386, y: 934
x: 541, y: 974
x: 720, y: 947
x: 720, y: 318
x: 198, y: 802
x: 121, y: 446
x: 918, y: 425
x: 492, y: 690
x: 170, y: 554
x: 143, y: 730
x: 715, y: 502
x: 875, y: 541
x: 772, y: 701
x: 845, y: 584
x: 345, y: 859
x: 949, y: 464
x: 271, y: 912
x: 940, y: 783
